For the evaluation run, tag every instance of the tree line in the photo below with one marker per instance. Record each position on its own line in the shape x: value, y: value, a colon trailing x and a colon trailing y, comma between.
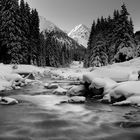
x: 22, y: 43
x: 19, y: 32
x: 111, y: 40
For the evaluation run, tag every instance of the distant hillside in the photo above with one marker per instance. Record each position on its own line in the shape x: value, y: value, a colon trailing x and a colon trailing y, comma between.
x: 47, y: 25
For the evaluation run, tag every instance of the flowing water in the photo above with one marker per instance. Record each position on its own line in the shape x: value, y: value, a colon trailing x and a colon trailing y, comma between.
x: 39, y: 116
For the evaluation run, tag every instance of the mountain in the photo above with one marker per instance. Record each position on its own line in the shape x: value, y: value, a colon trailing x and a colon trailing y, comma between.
x: 46, y: 25
x: 60, y: 35
x: 62, y: 38
x: 81, y: 34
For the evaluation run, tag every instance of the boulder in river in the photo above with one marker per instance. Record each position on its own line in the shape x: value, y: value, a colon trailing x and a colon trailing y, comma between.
x: 8, y: 101
x: 77, y: 99
x: 77, y: 91
x: 60, y: 91
x: 51, y: 86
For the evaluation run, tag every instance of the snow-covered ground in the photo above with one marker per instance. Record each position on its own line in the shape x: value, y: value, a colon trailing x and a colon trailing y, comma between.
x: 118, y: 72
x: 104, y: 77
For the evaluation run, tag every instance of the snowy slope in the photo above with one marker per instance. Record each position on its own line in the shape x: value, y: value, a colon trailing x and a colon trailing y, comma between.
x: 46, y: 25
x: 81, y: 34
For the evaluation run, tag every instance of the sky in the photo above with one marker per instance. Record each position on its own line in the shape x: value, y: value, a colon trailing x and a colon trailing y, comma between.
x: 67, y: 14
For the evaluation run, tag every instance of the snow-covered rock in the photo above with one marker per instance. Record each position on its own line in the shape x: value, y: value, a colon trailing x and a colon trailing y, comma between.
x: 88, y: 77
x: 77, y: 99
x: 13, y: 77
x: 5, y: 85
x: 105, y: 83
x: 60, y: 91
x: 127, y: 89
x: 130, y: 90
x: 80, y: 34
x: 17, y: 87
x: 51, y: 86
x: 132, y: 100
x: 27, y: 81
x: 77, y: 91
x: 7, y: 101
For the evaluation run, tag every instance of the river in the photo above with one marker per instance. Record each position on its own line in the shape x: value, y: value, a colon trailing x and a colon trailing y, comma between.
x: 39, y: 116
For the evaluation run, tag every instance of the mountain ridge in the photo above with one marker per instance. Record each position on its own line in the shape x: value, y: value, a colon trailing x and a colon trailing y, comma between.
x: 80, y: 33
x: 46, y: 25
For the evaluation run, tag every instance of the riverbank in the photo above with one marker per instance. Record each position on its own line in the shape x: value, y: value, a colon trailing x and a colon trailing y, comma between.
x: 40, y: 116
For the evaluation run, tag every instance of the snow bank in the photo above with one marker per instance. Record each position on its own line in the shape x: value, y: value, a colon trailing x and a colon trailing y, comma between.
x: 4, y: 70
x: 28, y: 69
x: 9, y: 77
x: 5, y: 82
x: 134, y: 63
x: 37, y: 72
x: 118, y: 74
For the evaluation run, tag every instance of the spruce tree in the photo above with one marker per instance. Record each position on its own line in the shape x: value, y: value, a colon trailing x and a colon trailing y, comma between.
x: 34, y: 31
x: 90, y: 45
x: 99, y: 56
x: 124, y: 37
x: 42, y: 51
x: 11, y: 32
x: 24, y: 30
x: 28, y: 31
x: 1, y: 53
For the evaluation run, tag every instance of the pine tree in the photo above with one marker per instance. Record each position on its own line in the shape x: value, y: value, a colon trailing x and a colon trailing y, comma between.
x: 10, y: 32
x: 116, y: 14
x: 34, y: 31
x: 24, y: 30
x: 42, y: 51
x: 99, y: 56
x: 28, y: 30
x: 1, y: 53
x: 90, y: 45
x: 124, y: 37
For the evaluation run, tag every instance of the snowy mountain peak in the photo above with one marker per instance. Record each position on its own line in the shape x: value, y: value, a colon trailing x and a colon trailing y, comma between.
x: 78, y: 29
x: 81, y: 34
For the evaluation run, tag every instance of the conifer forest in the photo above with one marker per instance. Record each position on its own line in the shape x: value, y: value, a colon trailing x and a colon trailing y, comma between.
x: 111, y: 39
